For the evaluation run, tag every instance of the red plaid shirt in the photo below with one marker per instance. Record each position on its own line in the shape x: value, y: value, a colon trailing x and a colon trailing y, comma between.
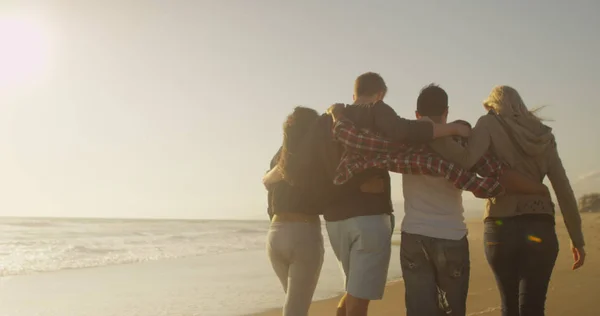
x: 364, y: 150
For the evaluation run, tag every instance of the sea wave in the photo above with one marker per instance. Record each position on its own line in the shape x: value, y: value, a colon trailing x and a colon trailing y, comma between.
x: 74, y: 244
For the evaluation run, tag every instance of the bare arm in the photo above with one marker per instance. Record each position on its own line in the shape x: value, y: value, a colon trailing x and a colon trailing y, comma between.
x: 466, y: 157
x: 566, y: 199
x: 273, y: 176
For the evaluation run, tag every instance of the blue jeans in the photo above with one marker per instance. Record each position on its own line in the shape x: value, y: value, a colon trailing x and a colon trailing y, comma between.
x: 522, y: 251
x: 436, y: 275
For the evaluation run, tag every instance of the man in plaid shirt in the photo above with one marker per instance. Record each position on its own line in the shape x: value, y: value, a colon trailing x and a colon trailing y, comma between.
x: 434, y: 247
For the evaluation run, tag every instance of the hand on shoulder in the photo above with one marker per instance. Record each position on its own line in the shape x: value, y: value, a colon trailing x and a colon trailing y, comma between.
x: 463, y: 123
x: 336, y: 110
x: 460, y: 128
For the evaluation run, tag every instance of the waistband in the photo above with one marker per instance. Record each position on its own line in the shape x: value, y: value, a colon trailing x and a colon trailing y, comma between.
x: 524, y: 217
x: 296, y: 217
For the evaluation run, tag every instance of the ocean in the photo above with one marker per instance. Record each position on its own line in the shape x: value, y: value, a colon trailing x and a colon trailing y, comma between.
x: 45, y: 245
x: 222, y: 259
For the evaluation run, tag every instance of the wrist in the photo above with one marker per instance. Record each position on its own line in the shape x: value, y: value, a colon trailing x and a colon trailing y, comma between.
x: 454, y: 128
x: 337, y: 116
x: 579, y: 244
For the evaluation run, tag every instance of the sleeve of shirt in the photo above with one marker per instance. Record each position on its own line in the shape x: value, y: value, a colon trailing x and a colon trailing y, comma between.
x: 489, y: 166
x: 481, y: 187
x: 348, y: 135
x: 468, y: 156
x: 399, y: 129
x: 566, y: 199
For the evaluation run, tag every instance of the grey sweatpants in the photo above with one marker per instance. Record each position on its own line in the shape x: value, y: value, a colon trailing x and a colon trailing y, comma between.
x: 296, y: 253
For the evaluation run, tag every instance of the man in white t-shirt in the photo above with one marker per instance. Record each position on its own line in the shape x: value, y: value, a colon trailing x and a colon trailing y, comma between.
x: 434, y: 252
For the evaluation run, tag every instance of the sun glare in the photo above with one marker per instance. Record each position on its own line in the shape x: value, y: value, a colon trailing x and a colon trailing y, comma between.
x: 23, y: 49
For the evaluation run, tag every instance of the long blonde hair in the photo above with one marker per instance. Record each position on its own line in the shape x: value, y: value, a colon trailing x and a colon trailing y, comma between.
x: 507, y: 102
x: 527, y: 128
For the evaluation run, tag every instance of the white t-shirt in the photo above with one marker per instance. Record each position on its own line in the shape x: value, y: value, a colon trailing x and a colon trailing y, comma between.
x: 433, y: 207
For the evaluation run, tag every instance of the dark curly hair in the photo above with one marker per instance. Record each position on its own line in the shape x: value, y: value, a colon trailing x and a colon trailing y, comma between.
x: 296, y: 126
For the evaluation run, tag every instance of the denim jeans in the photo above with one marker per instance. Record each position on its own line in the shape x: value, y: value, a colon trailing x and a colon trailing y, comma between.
x: 436, y: 275
x: 522, y: 251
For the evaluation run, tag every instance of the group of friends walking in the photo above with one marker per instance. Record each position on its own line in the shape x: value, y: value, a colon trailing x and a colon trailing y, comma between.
x: 337, y: 165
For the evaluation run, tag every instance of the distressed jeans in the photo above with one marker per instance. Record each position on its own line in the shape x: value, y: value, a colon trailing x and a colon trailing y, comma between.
x: 436, y: 275
x: 522, y: 251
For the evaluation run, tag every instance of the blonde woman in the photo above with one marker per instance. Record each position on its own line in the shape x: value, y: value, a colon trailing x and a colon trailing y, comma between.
x: 520, y: 239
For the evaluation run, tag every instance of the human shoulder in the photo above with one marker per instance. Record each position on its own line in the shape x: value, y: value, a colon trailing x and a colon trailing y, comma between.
x: 381, y: 106
x: 488, y: 122
x: 488, y: 119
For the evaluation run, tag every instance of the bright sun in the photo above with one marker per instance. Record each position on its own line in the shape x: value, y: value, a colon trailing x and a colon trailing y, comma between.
x: 24, y: 49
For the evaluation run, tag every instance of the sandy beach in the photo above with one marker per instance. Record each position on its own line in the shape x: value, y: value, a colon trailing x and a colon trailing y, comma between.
x: 233, y: 279
x: 571, y: 292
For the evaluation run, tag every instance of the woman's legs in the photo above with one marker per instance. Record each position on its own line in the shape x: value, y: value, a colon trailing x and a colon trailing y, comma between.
x: 522, y: 252
x: 296, y: 252
x: 502, y: 253
x: 305, y: 270
x: 538, y: 259
x: 278, y: 252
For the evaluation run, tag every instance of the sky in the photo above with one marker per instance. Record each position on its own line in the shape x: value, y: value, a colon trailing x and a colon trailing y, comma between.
x: 173, y: 109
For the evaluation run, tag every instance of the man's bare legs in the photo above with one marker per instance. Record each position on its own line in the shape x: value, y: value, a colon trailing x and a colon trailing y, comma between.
x: 352, y: 306
x: 341, y: 309
x: 356, y: 306
x: 362, y: 246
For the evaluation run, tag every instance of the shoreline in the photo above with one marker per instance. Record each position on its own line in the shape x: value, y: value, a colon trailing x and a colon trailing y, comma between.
x: 570, y: 292
x: 201, y: 285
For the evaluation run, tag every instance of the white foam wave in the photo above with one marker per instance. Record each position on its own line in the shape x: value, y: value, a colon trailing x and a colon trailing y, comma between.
x: 29, y: 245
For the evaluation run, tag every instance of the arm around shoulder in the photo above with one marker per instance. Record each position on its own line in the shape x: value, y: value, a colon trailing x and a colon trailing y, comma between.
x: 400, y: 129
x: 466, y: 157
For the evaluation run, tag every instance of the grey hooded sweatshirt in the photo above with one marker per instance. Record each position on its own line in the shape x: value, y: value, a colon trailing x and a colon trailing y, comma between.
x: 529, y: 147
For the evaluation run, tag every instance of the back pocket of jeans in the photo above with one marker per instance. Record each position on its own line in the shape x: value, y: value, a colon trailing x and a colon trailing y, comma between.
x: 456, y: 255
x: 492, y: 232
x: 412, y: 253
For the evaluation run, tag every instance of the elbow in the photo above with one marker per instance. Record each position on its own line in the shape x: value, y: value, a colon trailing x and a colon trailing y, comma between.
x: 467, y: 159
x: 267, y: 180
x: 466, y: 164
x: 265, y: 183
x: 462, y: 162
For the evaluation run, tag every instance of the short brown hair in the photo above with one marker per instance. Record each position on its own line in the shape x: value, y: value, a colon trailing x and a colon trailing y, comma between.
x: 369, y: 84
x: 432, y: 101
